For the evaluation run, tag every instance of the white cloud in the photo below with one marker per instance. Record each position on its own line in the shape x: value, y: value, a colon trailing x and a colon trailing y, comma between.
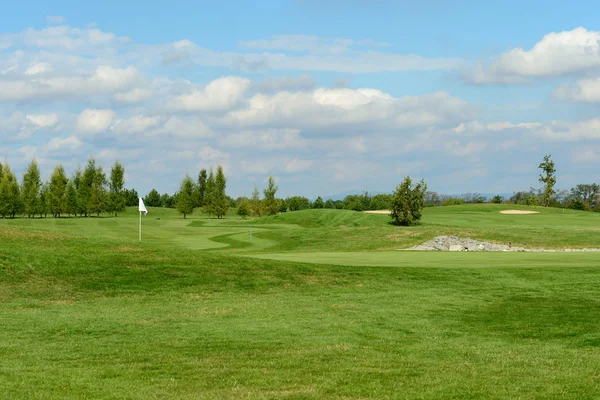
x: 208, y: 153
x: 43, y: 120
x: 104, y: 79
x: 55, y: 19
x: 220, y: 94
x: 268, y: 139
x: 557, y: 54
x: 134, y: 96
x: 94, y: 121
x: 135, y: 124
x: 69, y: 143
x: 300, y: 43
x: 584, y: 91
x: 289, y: 83
x: 297, y: 165
x: 344, y: 111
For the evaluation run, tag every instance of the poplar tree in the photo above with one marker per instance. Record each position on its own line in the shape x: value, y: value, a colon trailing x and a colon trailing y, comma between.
x: 201, y: 187
x: 86, y: 183
x: 255, y: 203
x: 44, y: 199
x: 185, y: 199
x: 221, y: 200
x: 76, y: 179
x: 548, y: 179
x: 30, y: 189
x: 10, y: 196
x: 58, y: 189
x: 210, y: 195
x: 97, y: 200
x: 271, y: 205
x: 117, y: 196
x: 71, y: 199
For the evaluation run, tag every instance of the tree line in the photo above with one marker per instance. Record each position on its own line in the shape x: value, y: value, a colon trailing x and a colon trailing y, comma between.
x: 85, y: 193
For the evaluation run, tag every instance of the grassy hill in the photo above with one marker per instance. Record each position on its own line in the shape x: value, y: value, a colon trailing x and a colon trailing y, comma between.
x: 89, y: 312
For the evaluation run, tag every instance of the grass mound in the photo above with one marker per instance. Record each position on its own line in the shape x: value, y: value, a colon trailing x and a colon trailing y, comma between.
x: 326, y: 218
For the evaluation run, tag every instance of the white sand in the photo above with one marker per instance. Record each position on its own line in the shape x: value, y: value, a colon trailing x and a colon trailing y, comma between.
x: 518, y: 212
x: 378, y: 212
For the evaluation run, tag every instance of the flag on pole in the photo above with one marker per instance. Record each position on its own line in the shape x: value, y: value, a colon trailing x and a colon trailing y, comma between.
x: 142, y: 207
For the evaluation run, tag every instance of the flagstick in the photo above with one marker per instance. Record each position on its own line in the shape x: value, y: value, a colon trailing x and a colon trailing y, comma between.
x: 140, y: 226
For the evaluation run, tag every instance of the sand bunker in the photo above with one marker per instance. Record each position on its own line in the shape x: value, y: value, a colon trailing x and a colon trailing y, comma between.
x: 518, y: 212
x: 386, y: 212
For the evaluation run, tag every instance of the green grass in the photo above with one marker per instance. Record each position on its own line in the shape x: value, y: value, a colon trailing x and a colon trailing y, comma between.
x: 89, y: 312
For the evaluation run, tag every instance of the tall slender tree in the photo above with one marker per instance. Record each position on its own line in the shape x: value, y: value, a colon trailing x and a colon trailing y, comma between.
x: 10, y: 196
x: 97, y: 202
x: 210, y: 195
x: 76, y: 179
x: 30, y: 189
x: 44, y: 199
x: 221, y: 200
x: 71, y: 199
x: 185, y: 199
x: 201, y: 187
x: 58, y: 190
x: 271, y: 204
x: 88, y: 177
x: 256, y: 209
x: 117, y: 196
x: 548, y: 178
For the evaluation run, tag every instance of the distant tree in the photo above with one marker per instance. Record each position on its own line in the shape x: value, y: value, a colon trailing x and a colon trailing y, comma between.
x: 452, y: 201
x: 587, y: 194
x: 10, y: 193
x: 131, y: 197
x: 201, y: 191
x: 296, y: 203
x: 408, y: 202
x: 71, y: 199
x: 77, y: 179
x: 243, y: 207
x: 497, y: 199
x: 210, y: 195
x: 283, y: 207
x: 58, y: 191
x: 548, y: 178
x: 98, y: 195
x: 44, y: 199
x: 432, y: 199
x: 270, y: 202
x: 30, y: 189
x: 166, y: 200
x: 185, y: 200
x: 382, y: 201
x: 256, y: 209
x: 87, y: 181
x: 221, y: 200
x: 329, y: 204
x: 318, y: 203
x: 152, y: 199
x: 117, y: 201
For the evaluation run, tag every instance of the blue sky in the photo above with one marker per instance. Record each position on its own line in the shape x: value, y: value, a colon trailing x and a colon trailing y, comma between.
x: 327, y: 96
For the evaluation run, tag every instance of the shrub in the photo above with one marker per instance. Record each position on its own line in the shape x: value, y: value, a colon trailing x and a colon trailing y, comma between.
x: 408, y: 202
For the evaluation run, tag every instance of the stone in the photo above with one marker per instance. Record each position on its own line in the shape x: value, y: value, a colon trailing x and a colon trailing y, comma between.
x: 456, y: 247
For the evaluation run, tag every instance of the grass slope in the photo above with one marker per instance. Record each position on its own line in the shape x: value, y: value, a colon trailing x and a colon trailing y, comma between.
x: 101, y: 318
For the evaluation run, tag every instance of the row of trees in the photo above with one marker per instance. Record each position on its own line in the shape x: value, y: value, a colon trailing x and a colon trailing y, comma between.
x: 208, y: 193
x: 87, y: 192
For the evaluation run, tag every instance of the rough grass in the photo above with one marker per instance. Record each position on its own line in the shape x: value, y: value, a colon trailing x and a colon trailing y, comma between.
x: 88, y: 312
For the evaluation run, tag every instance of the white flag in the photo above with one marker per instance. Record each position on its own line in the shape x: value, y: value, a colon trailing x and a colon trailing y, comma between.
x: 142, y: 207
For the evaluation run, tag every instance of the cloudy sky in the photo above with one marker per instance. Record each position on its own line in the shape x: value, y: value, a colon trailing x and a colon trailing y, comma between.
x: 328, y: 96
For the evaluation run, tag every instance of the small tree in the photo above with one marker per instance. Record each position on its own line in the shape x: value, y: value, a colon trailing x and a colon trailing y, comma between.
x: 202, y: 177
x: 243, y: 209
x: 10, y: 196
x: 255, y: 204
x: 98, y: 198
x: 270, y: 203
x: 408, y: 202
x: 185, y: 200
x: 221, y: 200
x: 210, y: 195
x: 318, y: 203
x: 58, y: 191
x: 30, y: 189
x: 152, y: 199
x: 117, y: 196
x: 71, y: 199
x: 548, y: 178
